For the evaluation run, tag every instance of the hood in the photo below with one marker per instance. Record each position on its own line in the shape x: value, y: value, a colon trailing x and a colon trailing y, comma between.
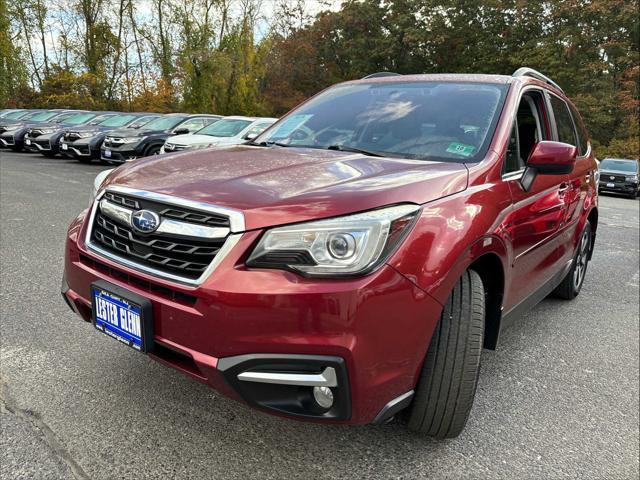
x: 89, y: 128
x: 616, y: 172
x: 191, y: 139
x: 274, y: 186
x: 135, y: 132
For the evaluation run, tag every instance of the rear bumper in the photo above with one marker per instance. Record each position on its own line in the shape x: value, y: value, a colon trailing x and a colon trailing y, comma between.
x: 373, y: 331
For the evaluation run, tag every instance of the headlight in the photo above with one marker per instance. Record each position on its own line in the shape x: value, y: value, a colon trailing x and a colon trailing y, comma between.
x: 45, y: 131
x: 11, y: 128
x: 631, y: 178
x: 131, y: 139
x: 350, y: 245
x: 98, y: 181
x: 86, y: 134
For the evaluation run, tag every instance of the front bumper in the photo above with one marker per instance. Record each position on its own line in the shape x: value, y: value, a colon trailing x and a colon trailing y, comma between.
x: 120, y: 154
x: 47, y: 143
x: 374, y: 330
x: 620, y: 187
x: 75, y: 149
x: 7, y: 140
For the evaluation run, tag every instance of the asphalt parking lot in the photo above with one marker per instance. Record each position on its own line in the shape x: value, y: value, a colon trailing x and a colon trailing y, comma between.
x: 558, y: 399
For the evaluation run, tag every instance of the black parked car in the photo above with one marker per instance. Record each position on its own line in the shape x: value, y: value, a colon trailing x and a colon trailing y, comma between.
x: 12, y: 135
x: 16, y: 117
x: 619, y: 175
x: 45, y: 138
x: 129, y: 144
x: 83, y: 142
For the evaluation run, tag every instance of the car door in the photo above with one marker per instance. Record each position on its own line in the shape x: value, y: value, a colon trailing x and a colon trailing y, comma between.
x: 537, y: 215
x: 582, y: 180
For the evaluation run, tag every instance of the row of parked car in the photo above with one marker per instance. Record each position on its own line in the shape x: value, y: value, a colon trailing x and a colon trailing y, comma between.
x: 117, y: 137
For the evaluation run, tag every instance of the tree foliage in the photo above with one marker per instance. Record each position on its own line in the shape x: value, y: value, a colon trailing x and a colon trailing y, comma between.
x: 231, y: 57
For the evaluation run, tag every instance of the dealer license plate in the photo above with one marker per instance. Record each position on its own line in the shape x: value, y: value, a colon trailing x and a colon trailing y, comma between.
x: 122, y: 315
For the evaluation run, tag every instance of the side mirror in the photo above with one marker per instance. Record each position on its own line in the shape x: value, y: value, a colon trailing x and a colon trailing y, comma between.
x: 249, y: 136
x: 181, y: 131
x: 549, y: 158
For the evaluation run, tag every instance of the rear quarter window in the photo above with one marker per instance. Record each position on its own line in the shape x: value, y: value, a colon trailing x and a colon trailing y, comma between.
x: 583, y: 136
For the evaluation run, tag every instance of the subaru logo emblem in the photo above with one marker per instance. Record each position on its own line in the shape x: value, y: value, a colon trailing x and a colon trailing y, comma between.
x: 612, y: 177
x: 145, y: 221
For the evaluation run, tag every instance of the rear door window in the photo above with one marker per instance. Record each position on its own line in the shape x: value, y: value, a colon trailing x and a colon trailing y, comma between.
x: 564, y: 122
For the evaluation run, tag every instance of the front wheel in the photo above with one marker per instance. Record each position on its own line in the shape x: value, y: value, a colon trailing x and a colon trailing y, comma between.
x: 447, y: 384
x: 153, y: 150
x: 571, y: 285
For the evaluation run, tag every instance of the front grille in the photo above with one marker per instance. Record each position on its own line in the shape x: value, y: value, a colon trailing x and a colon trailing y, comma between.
x: 71, y: 136
x: 168, y: 211
x: 184, y: 256
x: 611, y: 177
x: 138, y: 282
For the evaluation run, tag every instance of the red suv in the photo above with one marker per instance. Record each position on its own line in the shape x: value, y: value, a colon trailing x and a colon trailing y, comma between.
x: 353, y: 260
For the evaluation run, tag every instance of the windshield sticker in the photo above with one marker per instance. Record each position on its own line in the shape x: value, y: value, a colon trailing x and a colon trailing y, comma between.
x: 289, y: 125
x: 460, y: 149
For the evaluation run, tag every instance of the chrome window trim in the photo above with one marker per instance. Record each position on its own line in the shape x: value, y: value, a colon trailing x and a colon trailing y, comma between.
x: 236, y: 220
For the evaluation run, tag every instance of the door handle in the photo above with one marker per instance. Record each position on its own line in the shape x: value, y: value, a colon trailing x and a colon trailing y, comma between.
x: 562, y: 189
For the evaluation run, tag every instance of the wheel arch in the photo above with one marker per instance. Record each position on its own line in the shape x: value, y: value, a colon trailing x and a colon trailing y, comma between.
x: 491, y: 271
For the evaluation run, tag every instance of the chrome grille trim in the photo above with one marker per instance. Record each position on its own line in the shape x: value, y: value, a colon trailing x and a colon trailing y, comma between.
x: 236, y: 221
x: 167, y: 225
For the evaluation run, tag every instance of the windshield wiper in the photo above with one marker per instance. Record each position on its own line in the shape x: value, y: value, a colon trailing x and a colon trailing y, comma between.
x: 346, y: 148
x: 267, y: 144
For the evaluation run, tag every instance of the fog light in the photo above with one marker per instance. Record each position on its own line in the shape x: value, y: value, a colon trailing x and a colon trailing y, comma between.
x: 323, y: 396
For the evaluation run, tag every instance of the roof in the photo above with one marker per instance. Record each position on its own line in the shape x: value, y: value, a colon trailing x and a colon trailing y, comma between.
x: 459, y: 77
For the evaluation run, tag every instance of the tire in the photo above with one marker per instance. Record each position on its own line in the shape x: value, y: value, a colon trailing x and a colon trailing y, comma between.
x: 571, y: 284
x: 152, y: 150
x: 447, y: 385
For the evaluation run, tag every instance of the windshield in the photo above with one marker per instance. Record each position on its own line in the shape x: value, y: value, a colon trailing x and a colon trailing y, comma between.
x: 61, y: 117
x: 621, y: 165
x: 79, y: 118
x: 225, y: 127
x: 41, y: 116
x: 422, y: 120
x: 17, y: 115
x: 142, y: 121
x: 117, y: 120
x: 164, y: 123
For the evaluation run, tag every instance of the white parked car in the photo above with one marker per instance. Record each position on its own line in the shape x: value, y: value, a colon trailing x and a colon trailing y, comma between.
x: 226, y: 131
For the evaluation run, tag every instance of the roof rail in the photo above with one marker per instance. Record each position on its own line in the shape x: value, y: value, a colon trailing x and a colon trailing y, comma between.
x: 530, y: 72
x: 382, y: 74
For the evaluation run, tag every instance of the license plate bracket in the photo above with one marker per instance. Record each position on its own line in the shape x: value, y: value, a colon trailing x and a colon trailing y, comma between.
x: 107, y: 153
x: 122, y: 315
x: 611, y: 185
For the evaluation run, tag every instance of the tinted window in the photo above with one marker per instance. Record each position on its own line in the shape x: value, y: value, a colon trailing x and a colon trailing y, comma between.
x: 79, y: 118
x: 194, y: 124
x: 117, y: 120
x: 225, y: 127
x: 142, y: 121
x: 621, y: 165
x: 43, y: 116
x: 164, y: 123
x: 564, y: 123
x: 451, y: 121
x: 583, y: 137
